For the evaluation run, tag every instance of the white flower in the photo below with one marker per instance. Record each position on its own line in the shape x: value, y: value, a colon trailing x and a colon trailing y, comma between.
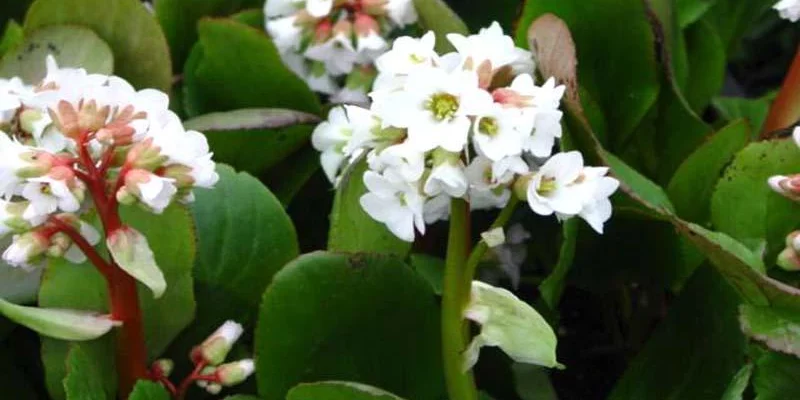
x: 402, y: 12
x: 319, y: 8
x: 156, y: 192
x: 24, y: 249
x: 46, y: 195
x: 370, y: 46
x: 322, y: 82
x: 436, y: 208
x: 796, y: 135
x: 337, y: 53
x: 74, y: 254
x: 285, y: 32
x: 395, y: 203
x: 482, y: 173
x: 788, y: 9
x: 436, y: 107
x: 408, y: 54
x: 347, y: 95
x: 402, y: 160
x: 342, y: 135
x: 278, y: 8
x: 539, y: 106
x: 563, y: 186
x: 13, y: 92
x: 485, y: 199
x: 448, y: 178
x: 500, y: 132
x: 490, y: 44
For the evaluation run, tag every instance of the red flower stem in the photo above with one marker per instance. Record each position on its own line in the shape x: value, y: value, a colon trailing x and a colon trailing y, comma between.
x: 91, y: 253
x: 785, y: 110
x: 184, y: 386
x: 131, y: 354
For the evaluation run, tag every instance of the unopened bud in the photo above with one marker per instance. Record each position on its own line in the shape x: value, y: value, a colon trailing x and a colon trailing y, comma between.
x: 163, y: 367
x: 343, y: 27
x: 145, y: 155
x: 788, y: 260
x: 25, y: 248
x: 125, y: 197
x: 213, y: 388
x: 217, y: 346
x: 34, y: 164
x: 234, y: 373
x: 59, y: 243
x: 90, y: 117
x: 207, y: 371
x: 788, y: 186
x: 323, y: 31
x: 181, y: 174
x: 364, y: 24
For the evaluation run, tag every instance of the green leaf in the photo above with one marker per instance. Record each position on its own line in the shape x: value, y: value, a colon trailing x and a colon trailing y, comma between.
x: 241, y: 397
x: 365, y: 318
x: 258, y: 78
x: 689, y: 11
x: 752, y: 110
x: 288, y: 177
x: 648, y: 198
x: 13, y: 35
x: 129, y: 248
x: 617, y: 63
x: 252, y: 17
x: 64, y: 324
x: 253, y: 139
x: 743, y: 205
x: 738, y: 384
x: 352, y: 229
x: 436, y: 16
x: 706, y: 64
x: 429, y: 268
x: 67, y: 285
x: 694, y: 181
x: 553, y: 286
x: 17, y: 285
x: 244, y: 238
x: 71, y: 46
x: 775, y: 377
x: 734, y: 18
x: 338, y: 391
x: 532, y: 382
x: 140, y: 51
x: 776, y: 330
x: 179, y: 20
x: 81, y: 382
x: 703, y: 320
x: 148, y: 390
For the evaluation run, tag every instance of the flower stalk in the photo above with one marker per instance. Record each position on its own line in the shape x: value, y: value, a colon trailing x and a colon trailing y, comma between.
x: 785, y: 110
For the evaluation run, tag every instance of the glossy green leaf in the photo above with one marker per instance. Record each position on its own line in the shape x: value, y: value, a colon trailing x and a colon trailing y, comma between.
x: 738, y: 384
x: 429, y: 268
x: 81, y: 382
x: 251, y: 17
x: 694, y: 181
x: 244, y: 238
x: 13, y: 35
x: 648, y: 198
x: 338, y: 391
x: 706, y: 64
x: 689, y: 11
x: 254, y: 140
x: 171, y: 236
x: 71, y: 46
x: 288, y: 177
x: 140, y: 51
x: 752, y: 110
x: 59, y: 323
x: 553, y: 286
x: 775, y: 377
x: 148, y: 390
x: 703, y: 321
x: 778, y: 331
x: 436, y: 16
x: 733, y: 18
x: 337, y: 316
x: 617, y: 63
x: 257, y: 79
x: 179, y: 20
x: 743, y: 205
x: 352, y: 229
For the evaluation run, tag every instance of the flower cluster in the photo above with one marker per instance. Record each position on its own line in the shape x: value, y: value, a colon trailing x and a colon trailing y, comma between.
x: 332, y: 41
x: 788, y: 9
x: 74, y: 134
x: 469, y: 124
x: 789, y: 187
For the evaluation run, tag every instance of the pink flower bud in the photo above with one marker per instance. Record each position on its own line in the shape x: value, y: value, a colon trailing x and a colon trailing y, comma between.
x: 236, y: 372
x: 510, y: 98
x: 788, y: 186
x: 323, y: 31
x: 364, y: 24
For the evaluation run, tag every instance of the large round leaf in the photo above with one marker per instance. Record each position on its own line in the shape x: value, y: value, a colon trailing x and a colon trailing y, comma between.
x: 363, y: 318
x: 179, y: 19
x: 222, y: 77
x: 244, y: 238
x: 72, y: 46
x: 171, y: 237
x: 140, y: 51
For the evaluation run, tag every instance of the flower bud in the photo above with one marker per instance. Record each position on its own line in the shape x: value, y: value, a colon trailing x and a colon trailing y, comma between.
x: 59, y: 243
x: 163, y: 367
x: 374, y: 7
x: 91, y: 118
x: 216, y: 347
x: 213, y: 388
x: 323, y: 31
x: 25, y: 248
x: 33, y: 164
x: 364, y: 24
x: 156, y: 192
x: 182, y: 175
x: 788, y: 186
x: 33, y: 121
x: 234, y: 373
x: 788, y: 260
x: 145, y: 155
